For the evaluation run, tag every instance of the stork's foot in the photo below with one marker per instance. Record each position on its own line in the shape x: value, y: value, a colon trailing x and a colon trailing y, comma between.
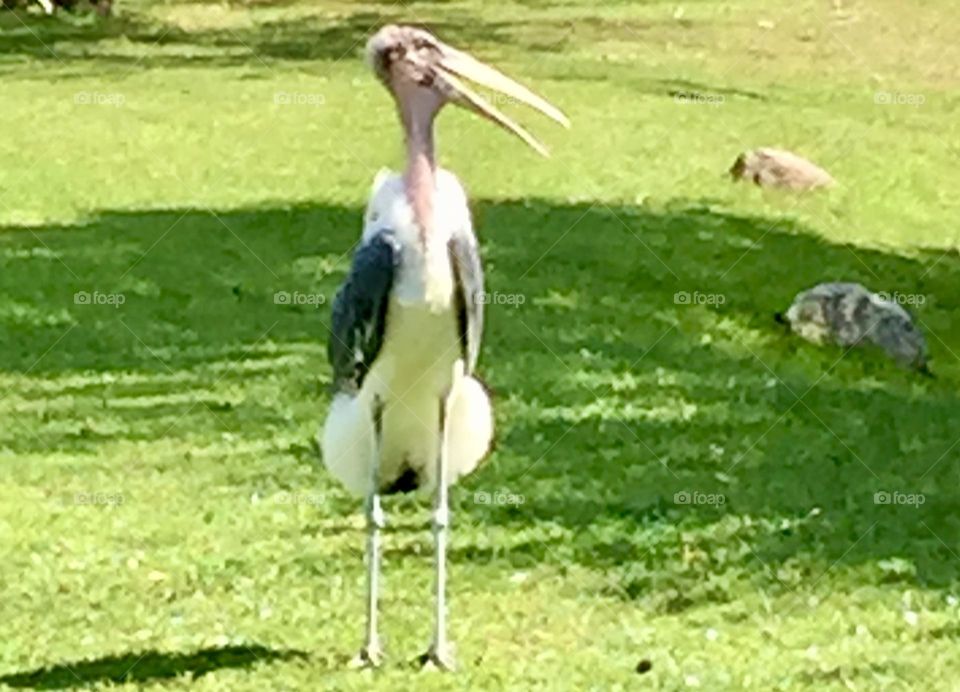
x: 438, y: 659
x: 370, y: 656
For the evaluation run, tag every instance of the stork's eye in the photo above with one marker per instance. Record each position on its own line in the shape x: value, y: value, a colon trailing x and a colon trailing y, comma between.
x: 423, y: 45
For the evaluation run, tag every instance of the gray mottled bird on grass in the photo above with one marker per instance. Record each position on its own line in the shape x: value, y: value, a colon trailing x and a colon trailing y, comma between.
x: 408, y: 412
x: 847, y: 314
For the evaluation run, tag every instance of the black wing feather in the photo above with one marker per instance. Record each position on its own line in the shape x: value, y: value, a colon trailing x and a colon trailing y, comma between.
x: 360, y: 311
x: 469, y: 295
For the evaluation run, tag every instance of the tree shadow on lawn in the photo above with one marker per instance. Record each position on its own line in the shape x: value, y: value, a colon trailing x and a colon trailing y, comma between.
x: 67, y: 43
x: 619, y: 380
x: 150, y: 666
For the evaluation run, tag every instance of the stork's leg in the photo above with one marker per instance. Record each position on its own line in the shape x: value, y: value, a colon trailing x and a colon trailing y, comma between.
x: 439, y: 654
x: 371, y: 655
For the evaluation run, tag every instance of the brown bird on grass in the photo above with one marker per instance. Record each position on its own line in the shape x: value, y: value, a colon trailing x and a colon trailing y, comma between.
x: 777, y: 168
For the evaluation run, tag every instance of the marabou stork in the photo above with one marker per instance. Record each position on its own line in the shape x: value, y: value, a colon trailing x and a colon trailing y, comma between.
x: 407, y: 412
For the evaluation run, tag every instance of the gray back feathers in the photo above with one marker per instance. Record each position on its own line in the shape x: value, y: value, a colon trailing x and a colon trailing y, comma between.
x: 468, y: 275
x: 850, y: 315
x: 360, y: 311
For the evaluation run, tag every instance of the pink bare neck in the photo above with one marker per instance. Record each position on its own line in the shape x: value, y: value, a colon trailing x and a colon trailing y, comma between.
x: 418, y: 109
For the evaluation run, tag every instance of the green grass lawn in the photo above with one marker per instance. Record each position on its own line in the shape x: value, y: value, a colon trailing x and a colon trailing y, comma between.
x: 164, y: 520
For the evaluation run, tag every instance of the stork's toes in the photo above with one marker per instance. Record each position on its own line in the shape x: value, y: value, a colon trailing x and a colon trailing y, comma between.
x: 438, y: 659
x: 370, y: 656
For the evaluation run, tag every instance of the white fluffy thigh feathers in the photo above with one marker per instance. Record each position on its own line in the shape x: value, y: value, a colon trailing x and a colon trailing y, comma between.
x: 347, y: 439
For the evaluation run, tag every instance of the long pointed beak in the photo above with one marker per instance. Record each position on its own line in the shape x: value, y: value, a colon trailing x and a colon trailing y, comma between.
x: 454, y: 64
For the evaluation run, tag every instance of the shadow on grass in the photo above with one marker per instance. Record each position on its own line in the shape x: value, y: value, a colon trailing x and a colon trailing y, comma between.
x: 616, y: 394
x: 150, y: 666
x: 134, y: 41
x: 68, y: 42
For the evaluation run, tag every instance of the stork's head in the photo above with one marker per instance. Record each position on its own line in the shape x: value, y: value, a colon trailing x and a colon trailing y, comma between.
x: 424, y: 74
